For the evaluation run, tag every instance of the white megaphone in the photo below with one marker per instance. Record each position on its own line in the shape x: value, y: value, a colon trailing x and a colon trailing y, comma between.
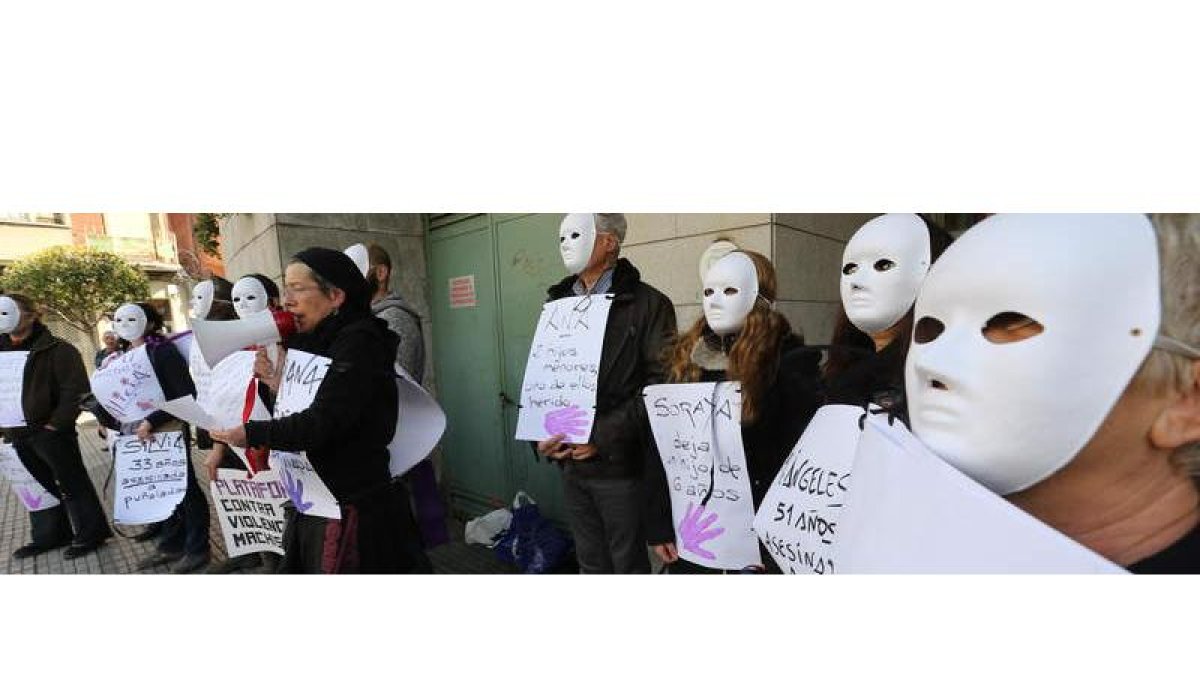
x: 358, y: 254
x: 219, y: 339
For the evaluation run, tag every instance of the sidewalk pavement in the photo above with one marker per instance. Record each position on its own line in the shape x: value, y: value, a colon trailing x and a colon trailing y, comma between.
x: 121, y: 555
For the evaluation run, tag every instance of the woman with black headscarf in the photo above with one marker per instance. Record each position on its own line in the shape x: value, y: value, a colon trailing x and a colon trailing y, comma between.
x: 347, y: 428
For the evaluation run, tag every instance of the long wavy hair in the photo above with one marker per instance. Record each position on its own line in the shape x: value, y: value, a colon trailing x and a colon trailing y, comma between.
x: 754, y: 353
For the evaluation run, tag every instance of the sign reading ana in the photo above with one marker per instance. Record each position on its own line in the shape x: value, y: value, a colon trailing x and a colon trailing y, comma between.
x: 558, y: 395
x: 302, y: 376
x: 250, y: 511
x: 151, y: 477
x: 698, y: 430
x: 12, y: 383
x: 33, y: 496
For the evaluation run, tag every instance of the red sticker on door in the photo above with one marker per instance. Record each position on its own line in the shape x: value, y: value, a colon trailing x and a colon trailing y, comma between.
x: 462, y: 291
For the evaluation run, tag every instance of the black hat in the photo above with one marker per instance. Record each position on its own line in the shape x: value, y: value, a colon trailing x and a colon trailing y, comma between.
x: 338, y: 269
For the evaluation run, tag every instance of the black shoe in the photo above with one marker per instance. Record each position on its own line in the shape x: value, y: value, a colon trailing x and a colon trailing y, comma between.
x: 190, y: 563
x: 79, y: 550
x: 159, y: 558
x: 30, y: 550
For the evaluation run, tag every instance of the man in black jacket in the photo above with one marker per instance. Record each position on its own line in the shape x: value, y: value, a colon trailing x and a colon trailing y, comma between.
x: 602, y: 479
x: 47, y: 445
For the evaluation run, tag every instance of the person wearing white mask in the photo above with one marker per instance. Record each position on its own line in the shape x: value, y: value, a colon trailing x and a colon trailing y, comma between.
x: 254, y: 293
x: 54, y: 380
x: 741, y: 337
x: 1056, y: 360
x: 184, y: 541
x: 883, y: 266
x: 602, y: 479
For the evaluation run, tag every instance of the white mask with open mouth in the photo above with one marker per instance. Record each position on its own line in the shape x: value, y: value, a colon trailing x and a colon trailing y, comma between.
x: 730, y: 291
x: 576, y: 239
x: 1011, y: 407
x: 10, y: 315
x: 882, y: 269
x: 249, y: 297
x: 201, y: 301
x: 129, y: 321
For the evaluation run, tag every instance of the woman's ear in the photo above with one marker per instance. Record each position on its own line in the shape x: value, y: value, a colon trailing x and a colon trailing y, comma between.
x: 1179, y: 423
x: 337, y: 296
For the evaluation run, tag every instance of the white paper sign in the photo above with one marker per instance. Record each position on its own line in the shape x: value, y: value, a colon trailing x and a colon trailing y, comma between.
x: 33, y: 496
x: 201, y: 373
x: 127, y: 386
x: 250, y: 511
x: 12, y: 384
x: 911, y: 512
x: 302, y: 376
x: 559, y: 392
x: 800, y: 515
x: 699, y: 434
x: 225, y: 398
x: 419, y: 425
x: 151, y: 477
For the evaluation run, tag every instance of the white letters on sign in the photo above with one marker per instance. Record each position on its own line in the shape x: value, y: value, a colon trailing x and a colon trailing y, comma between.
x: 559, y: 392
x: 699, y: 434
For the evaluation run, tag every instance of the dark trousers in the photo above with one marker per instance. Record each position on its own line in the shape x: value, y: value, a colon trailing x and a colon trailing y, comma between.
x: 186, y: 530
x: 53, y: 459
x: 606, y: 520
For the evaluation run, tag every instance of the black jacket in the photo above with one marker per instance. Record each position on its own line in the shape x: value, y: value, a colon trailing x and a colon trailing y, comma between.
x: 352, y: 419
x: 789, y: 405
x: 55, y: 380
x: 876, y: 377
x: 641, y: 323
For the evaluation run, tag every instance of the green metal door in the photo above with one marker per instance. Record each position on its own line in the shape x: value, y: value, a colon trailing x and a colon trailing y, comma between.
x: 466, y: 358
x: 528, y: 262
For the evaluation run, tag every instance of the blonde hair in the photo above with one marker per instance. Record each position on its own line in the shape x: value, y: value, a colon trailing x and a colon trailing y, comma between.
x: 1179, y: 280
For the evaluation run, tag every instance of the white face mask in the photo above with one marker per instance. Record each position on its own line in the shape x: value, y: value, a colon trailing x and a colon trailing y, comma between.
x: 201, y: 302
x: 882, y: 270
x: 576, y: 239
x: 1010, y: 414
x: 129, y: 321
x: 358, y: 254
x: 10, y: 315
x: 249, y: 297
x: 730, y: 291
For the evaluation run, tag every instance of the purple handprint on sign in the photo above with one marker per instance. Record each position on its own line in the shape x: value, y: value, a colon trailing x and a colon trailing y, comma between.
x: 31, y: 500
x: 570, y: 421
x: 295, y: 491
x: 693, y: 532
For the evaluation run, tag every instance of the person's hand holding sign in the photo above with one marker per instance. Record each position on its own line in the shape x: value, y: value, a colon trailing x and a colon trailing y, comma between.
x: 554, y: 448
x: 234, y: 436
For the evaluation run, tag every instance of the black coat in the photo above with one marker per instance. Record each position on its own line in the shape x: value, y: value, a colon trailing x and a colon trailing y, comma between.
x: 790, y: 402
x: 640, y: 325
x: 54, y: 381
x: 352, y: 419
x: 875, y: 377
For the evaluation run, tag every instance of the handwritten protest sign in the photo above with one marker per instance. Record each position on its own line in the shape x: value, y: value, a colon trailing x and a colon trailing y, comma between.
x: 250, y: 511
x: 151, y: 477
x: 419, y: 424
x: 800, y: 514
x: 911, y: 512
x: 559, y: 392
x: 12, y: 383
x: 699, y: 434
x: 201, y: 373
x: 225, y: 397
x: 302, y: 376
x: 127, y: 386
x: 33, y: 496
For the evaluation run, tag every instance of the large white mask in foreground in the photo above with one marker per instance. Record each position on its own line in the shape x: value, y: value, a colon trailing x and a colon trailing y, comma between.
x: 882, y: 269
x: 576, y: 239
x: 1011, y: 411
x: 730, y: 291
x: 129, y: 321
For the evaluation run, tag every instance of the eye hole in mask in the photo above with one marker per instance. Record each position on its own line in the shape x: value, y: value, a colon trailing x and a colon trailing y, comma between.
x: 883, y: 265
x: 850, y: 268
x: 928, y: 329
x: 1009, y: 327
x: 708, y: 292
x: 731, y: 291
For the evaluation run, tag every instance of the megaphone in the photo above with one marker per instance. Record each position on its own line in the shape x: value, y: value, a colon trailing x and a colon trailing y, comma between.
x: 219, y: 339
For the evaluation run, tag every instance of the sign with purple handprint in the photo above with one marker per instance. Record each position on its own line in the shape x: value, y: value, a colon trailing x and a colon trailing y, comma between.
x: 698, y: 430
x: 33, y: 496
x: 127, y: 386
x: 302, y: 486
x: 12, y: 384
x: 250, y: 509
x: 558, y: 395
x: 150, y: 477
